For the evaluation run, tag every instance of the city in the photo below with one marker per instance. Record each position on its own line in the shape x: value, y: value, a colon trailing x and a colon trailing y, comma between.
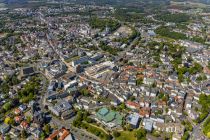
x: 105, y: 70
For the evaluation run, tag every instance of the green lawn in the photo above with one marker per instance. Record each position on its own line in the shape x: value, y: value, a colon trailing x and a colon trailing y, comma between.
x: 126, y: 135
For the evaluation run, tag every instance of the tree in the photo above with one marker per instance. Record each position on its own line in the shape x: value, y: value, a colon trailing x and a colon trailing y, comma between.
x: 177, y: 18
x: 208, y: 65
x: 4, y: 87
x: 7, y: 106
x: 141, y: 134
x: 116, y: 134
x: 165, y: 31
x: 47, y: 129
x: 28, y: 119
x: 185, y: 136
x: 43, y: 136
x: 139, y: 81
x: 8, y: 137
x: 7, y: 120
x: 24, y: 134
x: 208, y: 135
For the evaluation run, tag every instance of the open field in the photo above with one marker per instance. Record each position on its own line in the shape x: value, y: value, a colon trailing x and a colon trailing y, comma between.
x: 126, y: 135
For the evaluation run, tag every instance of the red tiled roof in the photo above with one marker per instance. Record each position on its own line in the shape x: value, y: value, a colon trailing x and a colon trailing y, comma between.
x: 60, y: 134
x: 136, y: 105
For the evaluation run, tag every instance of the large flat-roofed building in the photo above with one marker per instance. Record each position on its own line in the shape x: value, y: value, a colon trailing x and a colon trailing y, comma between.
x: 133, y: 120
x: 60, y: 107
x: 79, y: 61
x: 56, y: 69
x: 27, y: 71
x: 98, y: 70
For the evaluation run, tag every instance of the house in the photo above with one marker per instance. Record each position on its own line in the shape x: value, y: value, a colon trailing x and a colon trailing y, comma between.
x: 193, y: 114
x: 169, y: 127
x: 18, y: 119
x: 148, y: 124
x: 24, y: 125
x: 132, y: 105
x: 4, y: 128
x: 14, y: 132
x: 22, y: 107
x: 148, y: 81
x: 36, y: 133
x: 115, y: 102
x: 17, y: 111
x: 153, y: 92
x: 133, y: 120
x: 61, y: 134
x: 144, y: 112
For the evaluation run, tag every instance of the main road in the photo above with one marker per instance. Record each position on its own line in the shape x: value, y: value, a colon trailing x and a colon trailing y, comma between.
x: 197, y: 133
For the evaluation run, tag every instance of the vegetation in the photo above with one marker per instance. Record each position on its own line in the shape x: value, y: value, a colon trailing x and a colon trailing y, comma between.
x: 166, y: 32
x: 9, y: 81
x: 186, y: 135
x: 204, y: 100
x: 141, y: 134
x: 82, y: 121
x: 129, y: 38
x: 176, y: 18
x: 163, y: 97
x: 196, y: 68
x: 109, y: 49
x: 126, y: 135
x: 131, y: 15
x: 208, y: 65
x: 188, y: 125
x: 139, y: 81
x: 102, y: 23
x: 198, y: 39
x: 84, y: 92
x: 206, y: 127
x: 30, y: 90
x: 201, y: 77
x: 96, y: 131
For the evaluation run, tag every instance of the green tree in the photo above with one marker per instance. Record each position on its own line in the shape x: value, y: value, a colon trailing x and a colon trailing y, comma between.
x: 47, y: 129
x: 7, y: 106
x: 208, y: 65
x: 24, y: 134
x: 141, y: 134
x: 116, y: 134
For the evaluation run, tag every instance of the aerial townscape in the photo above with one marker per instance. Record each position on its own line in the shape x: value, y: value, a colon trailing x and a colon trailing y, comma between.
x: 104, y: 69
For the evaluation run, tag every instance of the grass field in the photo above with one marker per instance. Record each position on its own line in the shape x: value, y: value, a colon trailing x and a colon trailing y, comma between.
x: 126, y: 135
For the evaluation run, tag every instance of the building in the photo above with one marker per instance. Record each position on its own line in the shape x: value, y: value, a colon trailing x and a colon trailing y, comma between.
x: 148, y: 124
x: 98, y: 70
x: 61, y: 134
x: 27, y: 71
x: 60, y: 107
x: 169, y: 127
x: 81, y: 61
x: 109, y: 118
x: 4, y: 128
x: 132, y: 105
x: 67, y: 114
x: 56, y: 69
x: 133, y: 120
